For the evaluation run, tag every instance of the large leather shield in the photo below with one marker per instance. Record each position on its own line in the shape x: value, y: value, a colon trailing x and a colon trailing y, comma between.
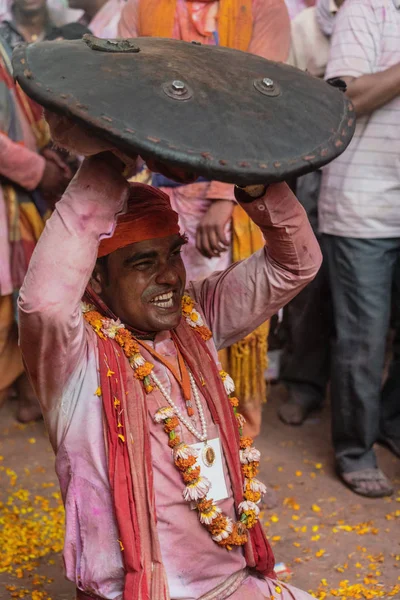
x: 224, y: 114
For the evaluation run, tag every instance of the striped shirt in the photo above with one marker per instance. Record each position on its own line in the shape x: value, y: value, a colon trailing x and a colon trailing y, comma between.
x: 360, y: 193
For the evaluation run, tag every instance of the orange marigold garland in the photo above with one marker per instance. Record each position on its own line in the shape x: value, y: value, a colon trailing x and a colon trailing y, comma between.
x: 193, y: 318
x: 115, y: 330
x: 223, y: 530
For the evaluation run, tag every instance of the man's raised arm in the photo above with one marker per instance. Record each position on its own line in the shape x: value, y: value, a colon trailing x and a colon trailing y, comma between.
x: 52, y: 332
x: 237, y: 301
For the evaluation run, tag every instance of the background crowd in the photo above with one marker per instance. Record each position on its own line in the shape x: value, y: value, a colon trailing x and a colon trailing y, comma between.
x: 341, y: 334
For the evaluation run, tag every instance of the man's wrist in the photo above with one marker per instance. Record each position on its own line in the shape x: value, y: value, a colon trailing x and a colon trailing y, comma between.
x: 249, y: 193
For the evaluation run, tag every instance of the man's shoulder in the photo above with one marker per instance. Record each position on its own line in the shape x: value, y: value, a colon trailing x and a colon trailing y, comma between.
x: 261, y: 8
x: 371, y: 10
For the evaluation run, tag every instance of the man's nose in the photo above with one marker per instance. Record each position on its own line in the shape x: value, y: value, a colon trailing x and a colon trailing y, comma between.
x: 167, y: 275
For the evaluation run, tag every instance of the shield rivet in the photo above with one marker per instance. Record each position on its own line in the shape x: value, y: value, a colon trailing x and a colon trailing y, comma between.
x: 178, y: 86
x: 268, y: 83
x: 267, y: 87
x: 178, y: 90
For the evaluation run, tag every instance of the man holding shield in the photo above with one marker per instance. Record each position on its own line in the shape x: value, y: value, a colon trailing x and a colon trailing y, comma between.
x: 159, y: 484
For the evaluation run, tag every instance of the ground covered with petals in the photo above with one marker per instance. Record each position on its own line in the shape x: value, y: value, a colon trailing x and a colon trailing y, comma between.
x: 333, y: 543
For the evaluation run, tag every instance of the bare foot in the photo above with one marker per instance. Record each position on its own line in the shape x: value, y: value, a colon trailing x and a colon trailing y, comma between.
x: 371, y: 483
x: 253, y: 416
x: 295, y: 412
x: 269, y: 500
x: 28, y: 411
x: 292, y: 413
x: 3, y: 397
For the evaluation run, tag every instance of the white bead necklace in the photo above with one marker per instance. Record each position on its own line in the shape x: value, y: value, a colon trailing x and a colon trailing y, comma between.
x: 202, y: 437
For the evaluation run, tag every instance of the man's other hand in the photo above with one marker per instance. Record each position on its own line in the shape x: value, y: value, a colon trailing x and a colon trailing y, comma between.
x: 211, y: 237
x: 54, y: 181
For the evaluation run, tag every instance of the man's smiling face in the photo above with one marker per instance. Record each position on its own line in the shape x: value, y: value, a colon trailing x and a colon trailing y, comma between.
x: 143, y: 283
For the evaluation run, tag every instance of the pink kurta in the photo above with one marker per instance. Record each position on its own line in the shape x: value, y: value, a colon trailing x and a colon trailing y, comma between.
x: 271, y: 39
x: 60, y: 351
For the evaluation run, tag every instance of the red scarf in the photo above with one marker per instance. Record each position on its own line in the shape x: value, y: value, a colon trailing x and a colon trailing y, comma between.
x: 129, y: 461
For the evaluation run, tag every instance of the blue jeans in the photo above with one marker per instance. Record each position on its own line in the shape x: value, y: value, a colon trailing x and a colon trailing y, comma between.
x: 364, y: 277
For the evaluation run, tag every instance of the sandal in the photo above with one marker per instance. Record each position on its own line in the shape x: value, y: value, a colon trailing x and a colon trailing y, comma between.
x: 371, y: 483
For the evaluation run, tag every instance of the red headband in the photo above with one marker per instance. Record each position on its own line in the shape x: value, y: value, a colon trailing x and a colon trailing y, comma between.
x: 148, y: 215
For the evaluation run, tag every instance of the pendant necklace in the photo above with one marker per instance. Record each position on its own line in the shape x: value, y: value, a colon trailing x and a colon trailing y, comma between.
x: 208, y: 453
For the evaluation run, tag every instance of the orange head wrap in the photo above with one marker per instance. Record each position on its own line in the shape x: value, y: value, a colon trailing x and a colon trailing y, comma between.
x: 148, y: 216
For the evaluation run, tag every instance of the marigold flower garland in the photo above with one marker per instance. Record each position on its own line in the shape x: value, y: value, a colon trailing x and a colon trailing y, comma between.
x: 115, y: 330
x: 193, y: 318
x: 223, y: 530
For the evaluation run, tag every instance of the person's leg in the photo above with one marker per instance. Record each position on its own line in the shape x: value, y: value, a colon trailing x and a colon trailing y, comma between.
x: 360, y: 272
x: 28, y: 405
x: 268, y: 589
x: 11, y: 365
x: 305, y: 366
x: 308, y: 325
x: 390, y: 400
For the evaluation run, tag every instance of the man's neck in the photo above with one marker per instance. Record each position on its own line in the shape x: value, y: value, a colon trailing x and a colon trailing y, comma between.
x: 92, y: 10
x: 149, y: 337
x: 31, y: 25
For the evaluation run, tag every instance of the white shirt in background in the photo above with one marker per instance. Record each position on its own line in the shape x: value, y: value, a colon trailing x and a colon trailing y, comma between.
x: 360, y: 193
x: 295, y: 7
x: 309, y: 45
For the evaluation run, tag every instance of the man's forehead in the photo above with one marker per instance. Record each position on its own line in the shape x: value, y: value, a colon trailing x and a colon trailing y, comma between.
x: 155, y: 245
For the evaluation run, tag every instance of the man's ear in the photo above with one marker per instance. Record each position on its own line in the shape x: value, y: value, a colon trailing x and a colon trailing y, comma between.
x: 98, y: 279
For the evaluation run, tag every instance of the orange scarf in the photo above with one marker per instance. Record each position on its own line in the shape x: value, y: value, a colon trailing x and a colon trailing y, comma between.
x: 235, y: 21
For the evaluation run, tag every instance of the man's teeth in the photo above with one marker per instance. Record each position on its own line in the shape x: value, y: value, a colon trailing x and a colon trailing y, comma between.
x: 164, y: 300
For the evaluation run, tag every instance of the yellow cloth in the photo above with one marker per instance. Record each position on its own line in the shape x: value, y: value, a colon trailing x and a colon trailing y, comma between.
x: 235, y: 21
x: 248, y: 358
x: 11, y: 366
x: 25, y: 225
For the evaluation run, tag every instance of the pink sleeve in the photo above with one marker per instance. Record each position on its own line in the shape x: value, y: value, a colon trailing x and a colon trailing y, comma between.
x: 19, y: 164
x: 271, y: 30
x: 128, y: 25
x: 238, y: 300
x: 52, y: 329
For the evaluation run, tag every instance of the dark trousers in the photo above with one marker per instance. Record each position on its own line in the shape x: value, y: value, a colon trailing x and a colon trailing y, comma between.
x: 308, y: 320
x: 363, y: 274
x: 308, y: 326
